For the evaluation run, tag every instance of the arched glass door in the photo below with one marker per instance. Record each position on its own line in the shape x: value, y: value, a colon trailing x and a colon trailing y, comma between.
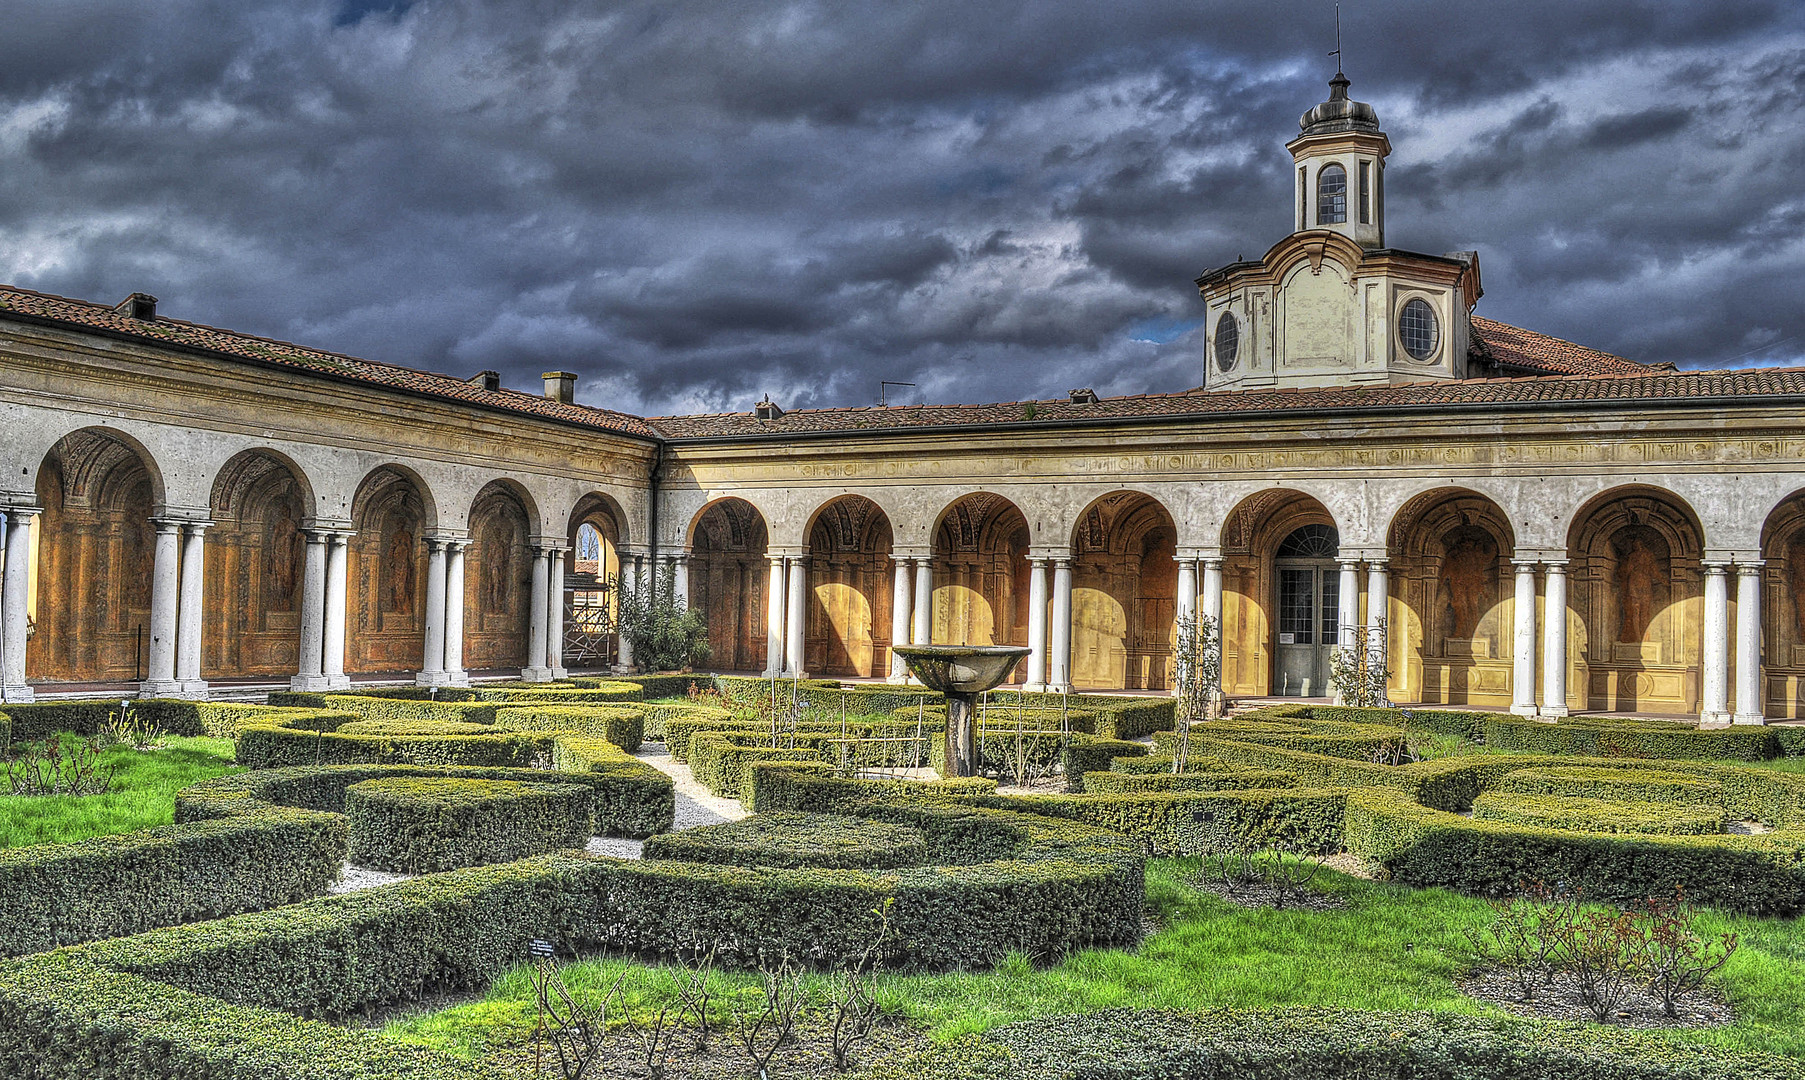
x: 1309, y: 583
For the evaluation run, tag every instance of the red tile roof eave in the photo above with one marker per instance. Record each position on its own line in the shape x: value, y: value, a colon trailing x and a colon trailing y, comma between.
x: 1178, y: 418
x: 31, y: 318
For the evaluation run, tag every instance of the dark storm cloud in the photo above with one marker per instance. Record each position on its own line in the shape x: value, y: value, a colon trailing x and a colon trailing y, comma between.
x: 692, y: 204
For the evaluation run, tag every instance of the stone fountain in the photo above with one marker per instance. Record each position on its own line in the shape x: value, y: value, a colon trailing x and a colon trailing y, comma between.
x: 961, y: 672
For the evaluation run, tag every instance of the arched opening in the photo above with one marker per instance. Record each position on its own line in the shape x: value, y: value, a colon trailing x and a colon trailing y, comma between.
x: 1280, y: 593
x: 498, y: 580
x: 728, y: 580
x: 1124, y: 594
x: 981, y: 574
x: 90, y: 621
x: 255, y: 554
x: 595, y: 536
x: 1453, y: 601
x: 849, y: 573
x: 1783, y: 609
x: 1637, y: 603
x: 387, y: 565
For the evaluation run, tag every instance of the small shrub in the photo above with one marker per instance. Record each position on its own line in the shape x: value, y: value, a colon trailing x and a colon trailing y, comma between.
x: 60, y: 765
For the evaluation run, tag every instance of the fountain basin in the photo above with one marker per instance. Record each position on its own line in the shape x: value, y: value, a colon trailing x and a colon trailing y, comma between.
x: 961, y: 669
x: 961, y: 672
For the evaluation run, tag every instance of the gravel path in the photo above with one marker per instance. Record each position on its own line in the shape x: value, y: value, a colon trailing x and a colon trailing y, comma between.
x: 695, y: 806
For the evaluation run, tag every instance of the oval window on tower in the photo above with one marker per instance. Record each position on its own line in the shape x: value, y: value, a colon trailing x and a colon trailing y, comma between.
x: 1418, y: 331
x: 1228, y: 341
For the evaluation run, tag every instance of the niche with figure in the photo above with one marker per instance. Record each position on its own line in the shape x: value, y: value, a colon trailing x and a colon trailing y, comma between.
x: 1637, y: 586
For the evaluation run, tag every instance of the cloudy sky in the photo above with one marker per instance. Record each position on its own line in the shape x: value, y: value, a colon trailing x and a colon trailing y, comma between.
x: 691, y: 204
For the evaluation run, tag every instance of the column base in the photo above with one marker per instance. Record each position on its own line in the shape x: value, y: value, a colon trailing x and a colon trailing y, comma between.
x: 770, y: 673
x: 536, y: 674
x: 160, y: 688
x: 1552, y: 712
x: 1059, y: 688
x: 1523, y: 710
x: 457, y: 677
x: 897, y: 680
x: 309, y: 684
x: 560, y: 673
x: 17, y: 695
x: 195, y: 688
x: 338, y: 682
x: 1749, y: 718
x: 1034, y: 688
x: 1715, y: 716
x: 794, y: 675
x: 432, y: 678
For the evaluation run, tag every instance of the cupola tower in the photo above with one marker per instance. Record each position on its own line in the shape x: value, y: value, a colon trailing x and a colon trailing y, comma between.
x: 1340, y: 165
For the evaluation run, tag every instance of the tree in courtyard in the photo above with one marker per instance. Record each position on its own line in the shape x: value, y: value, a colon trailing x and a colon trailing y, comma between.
x: 665, y: 633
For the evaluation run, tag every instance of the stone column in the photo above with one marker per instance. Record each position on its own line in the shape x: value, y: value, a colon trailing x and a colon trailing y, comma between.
x: 1059, y: 677
x: 1714, y: 656
x: 536, y: 669
x: 1554, y: 639
x: 554, y: 627
x: 193, y: 610
x: 795, y: 617
x: 455, y: 675
x: 680, y: 576
x: 432, y: 658
x: 1036, y: 677
x: 15, y: 538
x: 1211, y: 601
x: 924, y: 601
x: 1378, y: 614
x: 774, y: 598
x: 311, y: 677
x: 1523, y: 642
x: 899, y: 621
x: 332, y: 659
x: 1750, y: 709
x: 1185, y: 604
x: 164, y: 605
x: 629, y: 582
x: 1347, y: 603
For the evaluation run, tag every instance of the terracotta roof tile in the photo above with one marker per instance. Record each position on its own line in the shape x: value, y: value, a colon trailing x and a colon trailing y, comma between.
x: 83, y: 313
x: 1511, y: 346
x: 1644, y: 384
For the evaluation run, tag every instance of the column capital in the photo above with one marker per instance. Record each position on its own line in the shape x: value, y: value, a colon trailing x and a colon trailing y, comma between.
x: 183, y: 514
x: 19, y: 510
x: 1377, y: 564
x: 1050, y: 551
x: 1539, y: 555
x: 1555, y: 566
x: 198, y: 526
x: 1525, y: 566
x: 168, y: 525
x: 1716, y: 567
x: 1348, y: 565
x: 1750, y: 568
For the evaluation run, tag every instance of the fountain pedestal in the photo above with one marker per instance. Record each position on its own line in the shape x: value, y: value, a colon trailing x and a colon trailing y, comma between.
x: 961, y: 672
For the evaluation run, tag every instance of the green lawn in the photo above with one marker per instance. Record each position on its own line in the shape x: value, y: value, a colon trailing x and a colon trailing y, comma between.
x: 143, y: 794
x: 1392, y: 948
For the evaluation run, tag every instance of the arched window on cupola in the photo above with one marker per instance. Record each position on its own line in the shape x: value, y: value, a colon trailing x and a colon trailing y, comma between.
x: 1331, y: 195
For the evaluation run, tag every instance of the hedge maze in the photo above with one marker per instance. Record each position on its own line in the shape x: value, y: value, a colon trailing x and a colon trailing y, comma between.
x: 210, y: 948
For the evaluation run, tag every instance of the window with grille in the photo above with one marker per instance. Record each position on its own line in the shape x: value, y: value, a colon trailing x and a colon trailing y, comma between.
x: 1418, y: 331
x: 1331, y: 195
x: 1297, y: 605
x: 1228, y: 341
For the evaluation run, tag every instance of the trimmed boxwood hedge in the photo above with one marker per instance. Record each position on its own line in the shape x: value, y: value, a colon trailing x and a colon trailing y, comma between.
x: 1598, y: 815
x: 1085, y: 754
x: 791, y: 839
x: 622, y: 725
x: 657, y: 716
x: 413, y: 727
x: 1230, y: 779
x: 1310, y: 1043
x: 1623, y: 785
x: 421, y: 825
x: 1589, y: 737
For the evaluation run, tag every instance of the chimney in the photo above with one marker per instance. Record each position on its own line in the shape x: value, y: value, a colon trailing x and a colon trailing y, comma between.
x: 561, y: 386
x: 767, y: 409
x: 1083, y: 396
x: 139, y: 306
x: 488, y: 380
